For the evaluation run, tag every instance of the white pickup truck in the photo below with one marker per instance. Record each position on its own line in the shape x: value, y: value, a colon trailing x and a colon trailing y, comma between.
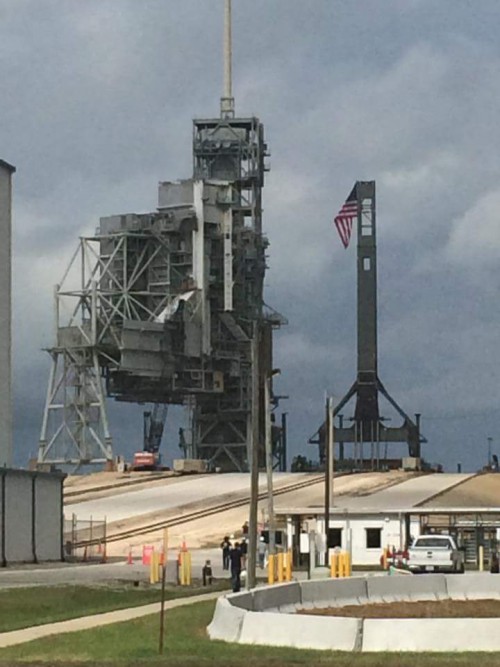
x: 435, y: 553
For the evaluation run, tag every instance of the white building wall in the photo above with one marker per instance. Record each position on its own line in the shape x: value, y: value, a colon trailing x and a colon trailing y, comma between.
x: 48, y: 516
x: 18, y: 517
x: 30, y: 516
x: 5, y: 314
x: 354, y: 535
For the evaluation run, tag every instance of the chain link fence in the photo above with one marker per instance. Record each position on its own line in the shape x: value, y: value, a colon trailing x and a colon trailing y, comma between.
x: 85, y: 539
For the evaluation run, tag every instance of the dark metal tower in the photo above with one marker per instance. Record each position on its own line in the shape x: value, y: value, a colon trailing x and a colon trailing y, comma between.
x: 166, y: 307
x: 367, y: 424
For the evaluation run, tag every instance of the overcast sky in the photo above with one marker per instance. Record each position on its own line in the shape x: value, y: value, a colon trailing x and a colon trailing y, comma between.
x: 96, y: 103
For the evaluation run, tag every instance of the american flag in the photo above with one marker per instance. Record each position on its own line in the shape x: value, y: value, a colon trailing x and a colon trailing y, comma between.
x: 345, y: 217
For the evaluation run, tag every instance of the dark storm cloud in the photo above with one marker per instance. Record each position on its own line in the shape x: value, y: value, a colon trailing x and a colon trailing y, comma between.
x: 97, y: 99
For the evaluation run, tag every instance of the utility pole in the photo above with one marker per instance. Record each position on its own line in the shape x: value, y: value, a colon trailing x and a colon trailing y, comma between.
x: 254, y: 462
x: 329, y: 454
x: 269, y: 468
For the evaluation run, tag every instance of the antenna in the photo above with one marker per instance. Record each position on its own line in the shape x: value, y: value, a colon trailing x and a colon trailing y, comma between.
x: 227, y: 100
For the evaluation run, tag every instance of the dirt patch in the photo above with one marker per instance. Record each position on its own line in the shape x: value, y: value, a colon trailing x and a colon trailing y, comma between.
x: 422, y: 609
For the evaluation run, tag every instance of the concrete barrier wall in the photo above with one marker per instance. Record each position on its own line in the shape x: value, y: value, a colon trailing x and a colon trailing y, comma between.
x: 320, y: 632
x: 477, y: 586
x: 241, y: 600
x: 407, y: 588
x: 431, y: 634
x: 334, y: 592
x: 283, y: 597
x: 226, y: 622
x: 234, y: 620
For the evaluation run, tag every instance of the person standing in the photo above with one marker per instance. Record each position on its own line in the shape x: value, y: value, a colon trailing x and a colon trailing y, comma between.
x: 261, y: 552
x: 244, y: 552
x: 225, y: 545
x: 235, y: 561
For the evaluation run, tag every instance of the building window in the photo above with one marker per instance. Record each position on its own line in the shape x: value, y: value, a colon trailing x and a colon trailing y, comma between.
x: 366, y: 264
x: 334, y: 538
x: 373, y: 538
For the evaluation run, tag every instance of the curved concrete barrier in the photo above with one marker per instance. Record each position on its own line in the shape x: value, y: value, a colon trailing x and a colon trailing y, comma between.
x: 280, y: 597
x: 480, y: 586
x: 406, y: 589
x: 322, y: 632
x: 334, y: 592
x: 431, y: 634
x: 259, y: 616
x: 226, y: 622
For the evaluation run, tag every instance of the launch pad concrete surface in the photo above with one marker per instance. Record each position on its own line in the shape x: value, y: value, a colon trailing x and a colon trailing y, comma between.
x: 258, y: 616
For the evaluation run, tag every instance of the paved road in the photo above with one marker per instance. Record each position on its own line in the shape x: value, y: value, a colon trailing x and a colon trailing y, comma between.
x: 133, y: 503
x: 407, y: 494
x: 89, y: 574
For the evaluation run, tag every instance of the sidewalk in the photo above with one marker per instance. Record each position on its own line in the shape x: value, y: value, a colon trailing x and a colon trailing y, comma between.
x: 87, y: 622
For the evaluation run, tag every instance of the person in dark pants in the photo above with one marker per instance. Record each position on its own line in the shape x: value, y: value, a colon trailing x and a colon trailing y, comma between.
x: 244, y: 552
x: 235, y: 561
x: 206, y: 573
x: 225, y: 545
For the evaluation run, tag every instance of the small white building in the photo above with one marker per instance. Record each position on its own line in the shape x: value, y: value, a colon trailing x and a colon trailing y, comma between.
x: 31, y: 516
x: 390, y: 518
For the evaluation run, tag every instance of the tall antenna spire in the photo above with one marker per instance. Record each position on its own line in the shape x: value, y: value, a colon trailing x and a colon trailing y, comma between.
x: 227, y: 100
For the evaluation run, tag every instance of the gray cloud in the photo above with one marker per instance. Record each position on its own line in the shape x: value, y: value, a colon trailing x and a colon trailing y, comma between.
x: 97, y: 101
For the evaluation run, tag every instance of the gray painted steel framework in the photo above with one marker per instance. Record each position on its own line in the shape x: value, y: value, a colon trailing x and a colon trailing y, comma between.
x: 368, y: 425
x: 166, y: 304
x: 162, y: 309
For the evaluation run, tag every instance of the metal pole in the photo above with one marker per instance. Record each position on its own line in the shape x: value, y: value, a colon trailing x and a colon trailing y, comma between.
x: 269, y: 468
x: 331, y: 446
x: 227, y: 101
x: 283, y: 441
x: 328, y: 470
x: 254, y: 467
x: 162, y: 605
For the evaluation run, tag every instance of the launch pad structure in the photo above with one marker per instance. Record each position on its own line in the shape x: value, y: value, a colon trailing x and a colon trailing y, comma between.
x: 164, y: 306
x: 368, y: 427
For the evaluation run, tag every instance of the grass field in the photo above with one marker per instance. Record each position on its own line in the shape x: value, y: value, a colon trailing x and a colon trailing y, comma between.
x: 23, y: 607
x: 186, y: 644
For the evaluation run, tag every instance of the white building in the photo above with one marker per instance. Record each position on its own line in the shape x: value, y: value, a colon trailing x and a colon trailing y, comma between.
x: 391, y: 517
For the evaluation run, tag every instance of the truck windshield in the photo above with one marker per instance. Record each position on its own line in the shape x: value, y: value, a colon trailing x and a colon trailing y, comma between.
x: 432, y: 542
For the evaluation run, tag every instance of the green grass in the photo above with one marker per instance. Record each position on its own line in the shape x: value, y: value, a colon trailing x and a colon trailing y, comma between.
x: 24, y: 607
x: 186, y: 644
